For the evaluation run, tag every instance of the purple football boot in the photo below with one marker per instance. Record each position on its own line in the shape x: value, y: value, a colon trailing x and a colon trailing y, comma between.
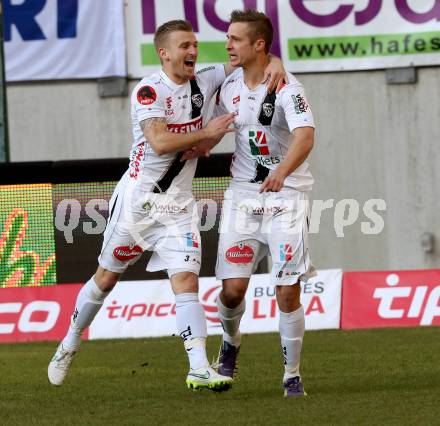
x: 227, y: 360
x: 294, y: 387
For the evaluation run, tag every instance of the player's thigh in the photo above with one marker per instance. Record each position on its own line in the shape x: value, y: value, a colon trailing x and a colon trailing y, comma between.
x: 238, y: 255
x: 122, y: 245
x: 288, y: 243
x: 178, y: 248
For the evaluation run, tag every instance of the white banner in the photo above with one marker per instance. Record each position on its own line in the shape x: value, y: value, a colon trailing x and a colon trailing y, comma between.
x: 310, y: 36
x: 147, y: 309
x: 64, y: 39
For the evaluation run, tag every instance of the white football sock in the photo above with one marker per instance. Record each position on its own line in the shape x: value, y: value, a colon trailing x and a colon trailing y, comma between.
x: 230, y: 319
x: 292, y: 326
x: 88, y: 302
x: 191, y: 325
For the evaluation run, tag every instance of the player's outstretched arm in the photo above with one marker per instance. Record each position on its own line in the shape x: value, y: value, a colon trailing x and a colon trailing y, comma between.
x: 274, y: 74
x: 164, y: 142
x: 302, y: 140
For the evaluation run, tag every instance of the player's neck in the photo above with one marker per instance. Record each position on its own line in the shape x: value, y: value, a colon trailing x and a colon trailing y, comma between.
x: 253, y: 72
x: 175, y: 78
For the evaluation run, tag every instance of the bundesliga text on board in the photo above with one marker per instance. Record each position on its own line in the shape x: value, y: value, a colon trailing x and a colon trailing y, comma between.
x: 390, y: 299
x: 150, y: 310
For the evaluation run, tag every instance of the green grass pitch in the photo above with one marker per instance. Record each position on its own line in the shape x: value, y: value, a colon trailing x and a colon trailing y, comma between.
x: 380, y: 377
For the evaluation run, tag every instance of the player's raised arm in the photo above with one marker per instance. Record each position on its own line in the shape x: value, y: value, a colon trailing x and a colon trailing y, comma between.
x: 302, y: 141
x: 163, y: 142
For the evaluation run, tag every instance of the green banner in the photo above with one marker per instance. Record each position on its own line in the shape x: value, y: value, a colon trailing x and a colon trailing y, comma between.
x: 209, y: 52
x: 301, y: 49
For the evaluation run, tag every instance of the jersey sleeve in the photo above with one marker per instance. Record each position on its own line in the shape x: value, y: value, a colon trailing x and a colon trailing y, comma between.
x: 212, y: 77
x: 296, y: 108
x: 219, y: 106
x: 147, y: 101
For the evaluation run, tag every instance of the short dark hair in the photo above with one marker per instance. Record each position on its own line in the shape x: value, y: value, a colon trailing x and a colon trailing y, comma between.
x: 259, y: 25
x: 169, y: 27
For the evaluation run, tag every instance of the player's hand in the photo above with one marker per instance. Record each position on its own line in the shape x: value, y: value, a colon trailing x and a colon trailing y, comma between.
x: 273, y: 183
x: 219, y: 126
x: 197, y: 151
x: 274, y: 74
x: 190, y: 154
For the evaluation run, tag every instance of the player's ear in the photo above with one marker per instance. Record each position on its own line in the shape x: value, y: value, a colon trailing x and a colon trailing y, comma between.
x: 163, y: 54
x: 260, y: 45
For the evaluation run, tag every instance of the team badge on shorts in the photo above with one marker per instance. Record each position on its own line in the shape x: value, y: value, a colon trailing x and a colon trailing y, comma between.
x: 286, y: 252
x: 191, y: 240
x: 146, y: 95
x: 241, y: 254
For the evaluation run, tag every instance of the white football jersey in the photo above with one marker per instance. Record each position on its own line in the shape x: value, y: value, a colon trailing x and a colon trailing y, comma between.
x: 263, y: 123
x: 185, y: 108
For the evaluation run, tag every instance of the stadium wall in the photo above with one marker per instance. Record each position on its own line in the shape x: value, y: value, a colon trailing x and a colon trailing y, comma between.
x: 374, y: 141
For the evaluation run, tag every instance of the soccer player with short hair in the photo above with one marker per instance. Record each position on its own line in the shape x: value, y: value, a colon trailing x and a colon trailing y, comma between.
x: 266, y: 205
x: 152, y: 207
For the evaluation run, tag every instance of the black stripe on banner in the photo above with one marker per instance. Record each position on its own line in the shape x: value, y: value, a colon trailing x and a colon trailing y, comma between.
x: 175, y: 168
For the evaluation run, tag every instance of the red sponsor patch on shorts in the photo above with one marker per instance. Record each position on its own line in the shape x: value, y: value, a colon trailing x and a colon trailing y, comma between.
x: 125, y: 253
x: 241, y: 254
x: 146, y: 95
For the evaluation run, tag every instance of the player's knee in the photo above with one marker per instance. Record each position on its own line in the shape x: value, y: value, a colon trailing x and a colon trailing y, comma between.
x: 232, y: 296
x: 288, y: 297
x: 105, y: 279
x: 184, y: 282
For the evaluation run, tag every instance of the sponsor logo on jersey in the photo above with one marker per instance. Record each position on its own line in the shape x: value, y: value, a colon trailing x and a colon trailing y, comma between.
x: 268, y: 109
x: 258, y: 143
x: 300, y: 104
x: 152, y: 207
x: 197, y: 100
x: 191, y: 240
x: 261, y: 210
x: 169, y: 104
x: 125, y: 253
x: 240, y: 254
x: 191, y: 126
x: 135, y: 161
x: 286, y: 252
x: 205, y: 69
x: 236, y: 100
x: 146, y: 95
x: 260, y: 149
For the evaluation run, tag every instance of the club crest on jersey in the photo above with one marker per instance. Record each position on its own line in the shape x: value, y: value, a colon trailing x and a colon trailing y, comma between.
x: 197, y: 100
x: 268, y: 109
x: 286, y: 252
x: 146, y: 95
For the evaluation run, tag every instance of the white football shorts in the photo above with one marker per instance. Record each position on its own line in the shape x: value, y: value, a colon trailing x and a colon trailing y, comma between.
x: 254, y: 225
x: 166, y: 224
